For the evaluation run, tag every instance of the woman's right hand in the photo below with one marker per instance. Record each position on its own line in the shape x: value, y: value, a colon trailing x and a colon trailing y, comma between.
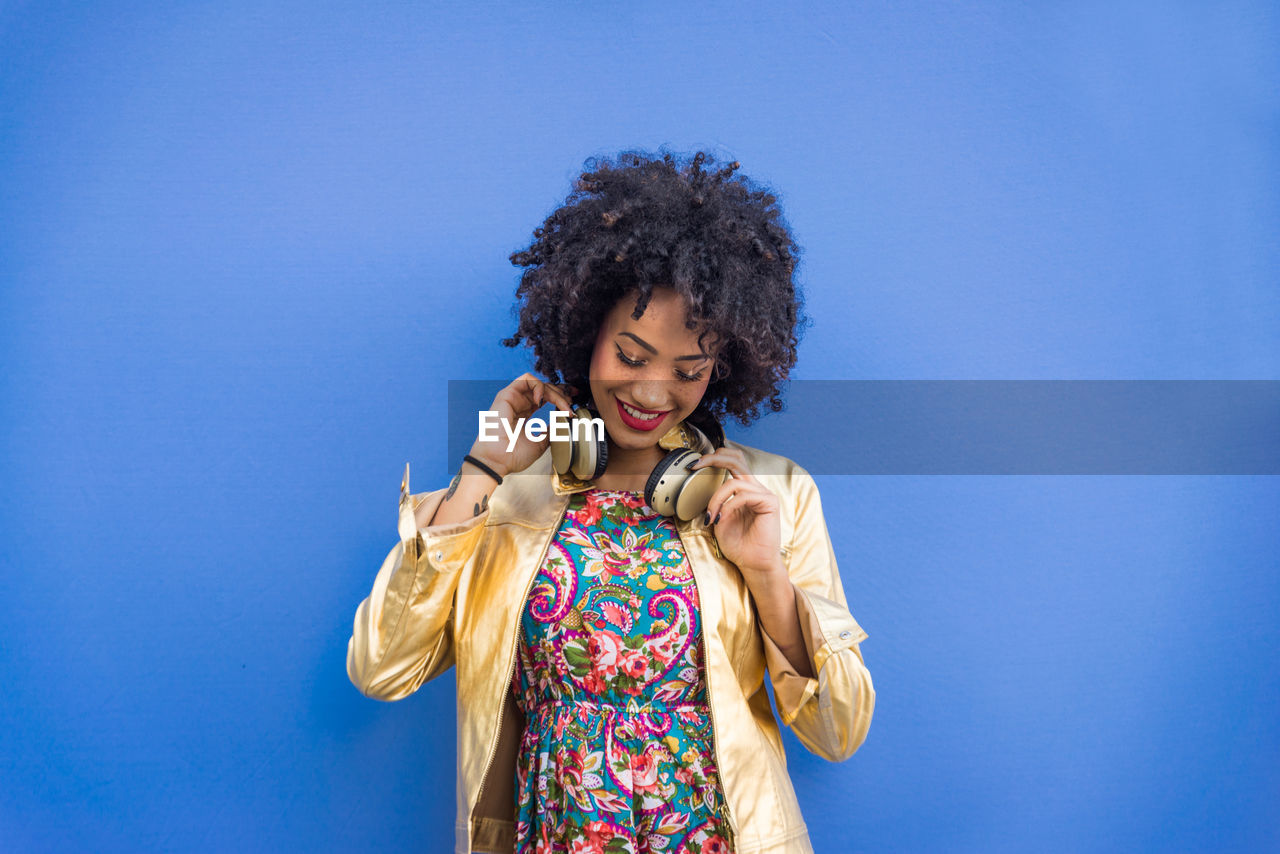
x: 525, y: 396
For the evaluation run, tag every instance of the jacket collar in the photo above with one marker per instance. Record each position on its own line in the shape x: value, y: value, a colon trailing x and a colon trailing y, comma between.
x: 567, y: 483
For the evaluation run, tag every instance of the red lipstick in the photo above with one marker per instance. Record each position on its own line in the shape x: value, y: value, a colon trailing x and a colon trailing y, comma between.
x: 638, y: 424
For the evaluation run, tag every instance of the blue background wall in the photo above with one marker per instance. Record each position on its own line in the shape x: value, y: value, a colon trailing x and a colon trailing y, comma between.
x: 244, y: 245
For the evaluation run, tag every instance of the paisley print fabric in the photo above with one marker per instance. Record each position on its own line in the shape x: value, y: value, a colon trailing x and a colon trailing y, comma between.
x: 616, y: 755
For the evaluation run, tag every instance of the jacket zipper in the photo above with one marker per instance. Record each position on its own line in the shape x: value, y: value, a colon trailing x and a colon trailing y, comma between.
x: 711, y: 706
x: 511, y: 658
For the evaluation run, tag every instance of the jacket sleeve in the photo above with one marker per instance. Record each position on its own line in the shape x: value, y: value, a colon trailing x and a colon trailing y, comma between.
x: 830, y: 713
x: 403, y: 632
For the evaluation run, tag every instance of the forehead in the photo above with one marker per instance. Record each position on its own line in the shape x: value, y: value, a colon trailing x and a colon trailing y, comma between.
x: 664, y: 317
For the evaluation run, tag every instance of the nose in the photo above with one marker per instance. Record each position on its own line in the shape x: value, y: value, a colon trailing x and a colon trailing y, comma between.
x: 650, y: 394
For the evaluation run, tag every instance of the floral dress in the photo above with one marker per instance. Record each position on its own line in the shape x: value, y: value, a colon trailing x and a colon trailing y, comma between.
x: 616, y: 753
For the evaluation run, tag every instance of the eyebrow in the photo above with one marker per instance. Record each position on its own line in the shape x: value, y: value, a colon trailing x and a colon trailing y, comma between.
x: 645, y: 344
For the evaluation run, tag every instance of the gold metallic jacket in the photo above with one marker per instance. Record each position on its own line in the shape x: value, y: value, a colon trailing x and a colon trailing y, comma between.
x: 452, y: 594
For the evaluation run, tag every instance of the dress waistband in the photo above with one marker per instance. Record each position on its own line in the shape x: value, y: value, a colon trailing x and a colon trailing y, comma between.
x: 632, y: 707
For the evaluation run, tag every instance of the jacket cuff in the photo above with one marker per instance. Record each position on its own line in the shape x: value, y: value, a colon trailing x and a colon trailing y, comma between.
x: 827, y: 628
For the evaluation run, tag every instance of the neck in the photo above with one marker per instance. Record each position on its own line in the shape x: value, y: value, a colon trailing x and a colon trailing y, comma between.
x: 629, y: 468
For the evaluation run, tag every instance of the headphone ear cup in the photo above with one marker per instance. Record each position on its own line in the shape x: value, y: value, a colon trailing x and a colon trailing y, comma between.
x: 562, y: 452
x: 601, y: 455
x: 696, y: 489
x: 590, y: 452
x: 663, y: 487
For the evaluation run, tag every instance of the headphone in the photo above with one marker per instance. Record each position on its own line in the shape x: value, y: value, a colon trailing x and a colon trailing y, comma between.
x: 672, y: 488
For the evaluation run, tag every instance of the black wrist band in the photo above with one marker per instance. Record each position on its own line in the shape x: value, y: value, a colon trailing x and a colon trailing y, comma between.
x: 484, y: 468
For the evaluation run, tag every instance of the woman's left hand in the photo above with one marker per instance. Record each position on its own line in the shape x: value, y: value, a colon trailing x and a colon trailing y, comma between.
x: 745, y: 517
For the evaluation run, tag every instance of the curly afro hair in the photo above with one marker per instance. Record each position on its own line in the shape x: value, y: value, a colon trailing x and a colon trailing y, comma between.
x: 640, y: 220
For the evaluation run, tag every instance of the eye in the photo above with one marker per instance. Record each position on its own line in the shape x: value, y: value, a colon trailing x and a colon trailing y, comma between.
x: 690, y: 378
x: 622, y: 357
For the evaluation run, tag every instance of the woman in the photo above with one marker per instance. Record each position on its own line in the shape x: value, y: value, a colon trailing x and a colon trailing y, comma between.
x: 611, y: 659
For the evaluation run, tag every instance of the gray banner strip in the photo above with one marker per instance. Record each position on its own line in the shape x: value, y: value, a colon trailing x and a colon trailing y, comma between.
x: 995, y: 426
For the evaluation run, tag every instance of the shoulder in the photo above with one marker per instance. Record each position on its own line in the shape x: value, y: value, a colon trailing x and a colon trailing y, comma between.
x: 801, y: 519
x: 791, y: 482
x: 761, y: 462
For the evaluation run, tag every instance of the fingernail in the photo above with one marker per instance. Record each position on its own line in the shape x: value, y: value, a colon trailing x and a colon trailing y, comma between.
x: 706, y: 518
x: 717, y: 519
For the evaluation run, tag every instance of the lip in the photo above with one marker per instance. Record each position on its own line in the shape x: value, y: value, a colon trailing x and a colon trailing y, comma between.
x: 635, y: 424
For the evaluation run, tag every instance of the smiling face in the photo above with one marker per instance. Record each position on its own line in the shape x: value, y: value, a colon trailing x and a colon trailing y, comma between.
x: 648, y: 374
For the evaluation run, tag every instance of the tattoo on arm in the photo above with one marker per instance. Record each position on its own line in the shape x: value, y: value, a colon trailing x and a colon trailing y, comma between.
x: 453, y: 486
x: 482, y: 506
